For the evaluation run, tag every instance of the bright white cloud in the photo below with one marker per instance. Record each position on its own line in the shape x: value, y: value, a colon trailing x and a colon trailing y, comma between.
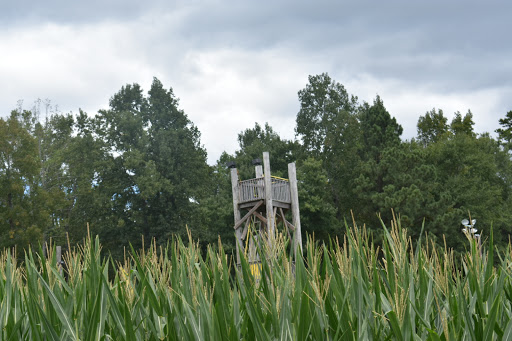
x: 72, y: 66
x: 227, y: 91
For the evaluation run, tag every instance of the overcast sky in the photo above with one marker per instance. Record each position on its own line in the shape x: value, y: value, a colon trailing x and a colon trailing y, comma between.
x: 234, y: 63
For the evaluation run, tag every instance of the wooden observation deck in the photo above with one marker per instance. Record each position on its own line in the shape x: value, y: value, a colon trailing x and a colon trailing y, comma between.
x: 254, y: 190
x: 266, y: 209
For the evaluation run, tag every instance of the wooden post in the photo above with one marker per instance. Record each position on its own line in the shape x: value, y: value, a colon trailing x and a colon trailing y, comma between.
x: 259, y: 171
x: 268, y: 195
x: 236, y: 212
x: 297, y: 236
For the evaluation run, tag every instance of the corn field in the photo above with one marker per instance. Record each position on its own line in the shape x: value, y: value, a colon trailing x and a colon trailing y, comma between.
x: 349, y: 290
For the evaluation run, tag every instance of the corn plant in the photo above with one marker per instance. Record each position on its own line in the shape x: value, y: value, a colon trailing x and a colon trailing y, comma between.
x: 345, y: 290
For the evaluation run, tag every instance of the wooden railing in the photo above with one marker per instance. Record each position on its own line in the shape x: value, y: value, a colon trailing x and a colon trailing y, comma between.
x: 254, y: 189
x: 281, y: 190
x: 250, y: 190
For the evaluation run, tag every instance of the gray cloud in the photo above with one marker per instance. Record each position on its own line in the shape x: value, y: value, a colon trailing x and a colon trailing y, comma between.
x: 450, y: 46
x: 244, y: 62
x: 22, y: 12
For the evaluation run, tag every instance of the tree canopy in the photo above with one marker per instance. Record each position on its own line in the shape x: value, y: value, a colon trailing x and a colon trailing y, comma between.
x: 137, y: 171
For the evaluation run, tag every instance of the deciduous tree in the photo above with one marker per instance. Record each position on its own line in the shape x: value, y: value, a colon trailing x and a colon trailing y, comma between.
x: 432, y: 127
x: 328, y: 127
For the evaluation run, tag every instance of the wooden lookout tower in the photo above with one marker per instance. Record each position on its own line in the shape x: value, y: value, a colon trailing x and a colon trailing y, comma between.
x: 264, y: 201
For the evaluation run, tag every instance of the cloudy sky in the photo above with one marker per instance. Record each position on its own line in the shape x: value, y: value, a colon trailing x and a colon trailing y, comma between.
x: 234, y: 63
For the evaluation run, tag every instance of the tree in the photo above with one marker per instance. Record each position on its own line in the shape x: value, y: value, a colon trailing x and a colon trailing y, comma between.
x: 471, y: 175
x: 328, y: 127
x: 23, y: 214
x: 254, y: 141
x: 179, y: 165
x: 462, y: 125
x: 407, y: 187
x: 325, y: 111
x: 432, y: 127
x: 379, y: 129
x: 381, y: 137
x: 72, y: 157
x: 216, y: 209
x: 156, y: 167
x: 505, y: 132
x: 317, y: 210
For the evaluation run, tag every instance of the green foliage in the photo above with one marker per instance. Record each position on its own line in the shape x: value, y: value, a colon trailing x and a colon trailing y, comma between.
x: 135, y: 169
x: 505, y: 132
x: 318, y: 213
x: 216, y: 208
x: 23, y: 213
x: 407, y: 186
x: 462, y: 125
x: 439, y: 184
x: 328, y: 126
x: 253, y: 142
x: 71, y: 157
x: 379, y: 129
x: 470, y: 176
x: 138, y: 168
x: 374, y: 180
x: 155, y: 171
x: 432, y: 127
x: 326, y: 113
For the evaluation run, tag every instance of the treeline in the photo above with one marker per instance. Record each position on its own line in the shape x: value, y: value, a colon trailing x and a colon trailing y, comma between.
x: 138, y: 169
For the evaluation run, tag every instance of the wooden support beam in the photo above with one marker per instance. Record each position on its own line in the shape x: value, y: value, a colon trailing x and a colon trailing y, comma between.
x: 281, y: 204
x: 294, y: 195
x: 268, y: 194
x: 236, y: 212
x: 259, y: 171
x: 286, y: 222
x: 260, y: 217
x: 274, y: 202
x: 252, y: 210
x: 246, y: 228
x: 279, y: 219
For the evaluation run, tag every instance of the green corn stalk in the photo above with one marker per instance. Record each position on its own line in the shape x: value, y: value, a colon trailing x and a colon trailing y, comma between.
x: 344, y: 290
